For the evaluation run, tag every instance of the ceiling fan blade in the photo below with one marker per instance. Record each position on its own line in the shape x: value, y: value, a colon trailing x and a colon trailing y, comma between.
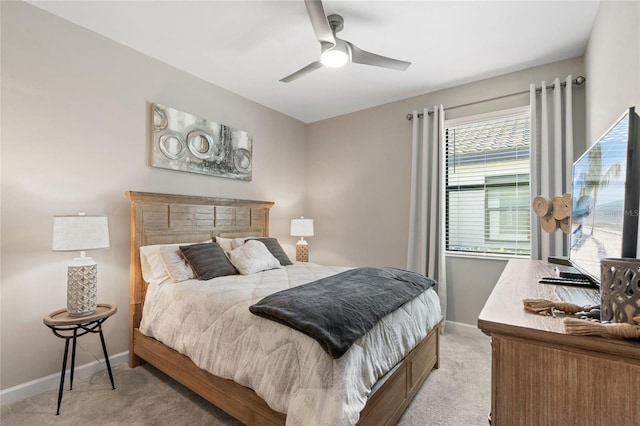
x: 360, y: 56
x: 306, y: 70
x: 319, y: 21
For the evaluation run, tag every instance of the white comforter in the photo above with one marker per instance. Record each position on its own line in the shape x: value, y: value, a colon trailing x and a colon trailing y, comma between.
x: 210, y: 322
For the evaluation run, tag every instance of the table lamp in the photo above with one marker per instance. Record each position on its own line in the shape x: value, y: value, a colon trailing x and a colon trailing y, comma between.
x: 302, y: 228
x: 80, y: 233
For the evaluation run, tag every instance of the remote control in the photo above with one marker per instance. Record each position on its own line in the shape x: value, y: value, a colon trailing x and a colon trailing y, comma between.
x: 577, y: 282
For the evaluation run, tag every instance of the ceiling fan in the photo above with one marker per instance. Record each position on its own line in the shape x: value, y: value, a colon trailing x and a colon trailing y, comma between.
x: 336, y: 52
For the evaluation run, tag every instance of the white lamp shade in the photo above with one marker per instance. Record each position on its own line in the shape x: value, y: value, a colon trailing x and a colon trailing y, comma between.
x: 302, y: 227
x: 79, y: 233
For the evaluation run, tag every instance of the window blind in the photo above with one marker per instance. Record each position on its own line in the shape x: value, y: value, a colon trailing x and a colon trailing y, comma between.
x: 487, y: 184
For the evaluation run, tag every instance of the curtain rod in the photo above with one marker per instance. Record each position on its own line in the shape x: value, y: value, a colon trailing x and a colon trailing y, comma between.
x: 578, y: 81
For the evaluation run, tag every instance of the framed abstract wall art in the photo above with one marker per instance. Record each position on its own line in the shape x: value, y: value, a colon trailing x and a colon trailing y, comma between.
x: 182, y: 141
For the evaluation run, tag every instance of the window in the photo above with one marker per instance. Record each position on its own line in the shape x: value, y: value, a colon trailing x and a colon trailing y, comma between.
x: 487, y: 183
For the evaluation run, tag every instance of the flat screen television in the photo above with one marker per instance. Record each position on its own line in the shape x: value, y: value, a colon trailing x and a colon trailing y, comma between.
x: 606, y: 198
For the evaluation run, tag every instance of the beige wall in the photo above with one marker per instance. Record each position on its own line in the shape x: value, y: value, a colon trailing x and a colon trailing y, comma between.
x: 74, y: 138
x: 359, y: 181
x: 612, y: 63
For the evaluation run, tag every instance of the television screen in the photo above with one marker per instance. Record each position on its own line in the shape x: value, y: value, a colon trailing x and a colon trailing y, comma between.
x: 604, y: 216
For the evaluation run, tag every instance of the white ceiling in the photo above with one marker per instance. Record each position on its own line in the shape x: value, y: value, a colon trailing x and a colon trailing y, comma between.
x: 247, y: 46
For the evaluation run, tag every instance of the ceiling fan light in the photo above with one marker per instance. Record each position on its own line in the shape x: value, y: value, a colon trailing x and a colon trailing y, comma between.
x: 334, y: 58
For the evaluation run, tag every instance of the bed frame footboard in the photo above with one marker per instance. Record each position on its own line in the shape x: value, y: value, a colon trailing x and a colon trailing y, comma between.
x: 383, y: 408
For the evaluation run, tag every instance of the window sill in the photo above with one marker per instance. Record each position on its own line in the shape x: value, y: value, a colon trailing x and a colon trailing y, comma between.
x: 485, y: 256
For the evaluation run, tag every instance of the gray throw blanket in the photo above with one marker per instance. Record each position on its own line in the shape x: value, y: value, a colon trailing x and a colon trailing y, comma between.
x: 338, y: 310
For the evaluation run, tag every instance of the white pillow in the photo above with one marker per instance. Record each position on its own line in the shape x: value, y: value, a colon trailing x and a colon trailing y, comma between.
x: 252, y: 257
x: 176, y: 264
x: 237, y: 242
x: 225, y: 243
x: 153, y: 269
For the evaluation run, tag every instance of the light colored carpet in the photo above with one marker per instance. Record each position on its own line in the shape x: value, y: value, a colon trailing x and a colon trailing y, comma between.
x: 457, y: 394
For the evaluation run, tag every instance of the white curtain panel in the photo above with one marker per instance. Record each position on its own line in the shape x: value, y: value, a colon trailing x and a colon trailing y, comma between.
x: 551, y: 158
x: 427, y: 211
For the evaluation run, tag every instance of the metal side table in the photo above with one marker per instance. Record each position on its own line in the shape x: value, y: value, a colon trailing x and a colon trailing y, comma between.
x: 70, y: 328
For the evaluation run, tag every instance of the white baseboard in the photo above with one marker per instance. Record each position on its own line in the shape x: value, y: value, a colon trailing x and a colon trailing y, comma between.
x: 35, y: 387
x: 461, y: 327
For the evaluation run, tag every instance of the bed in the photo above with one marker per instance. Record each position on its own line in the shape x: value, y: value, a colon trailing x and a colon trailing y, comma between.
x: 161, y: 219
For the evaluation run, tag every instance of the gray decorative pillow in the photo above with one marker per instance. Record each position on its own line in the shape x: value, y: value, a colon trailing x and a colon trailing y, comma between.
x: 176, y: 264
x: 208, y: 260
x: 252, y: 257
x: 276, y: 250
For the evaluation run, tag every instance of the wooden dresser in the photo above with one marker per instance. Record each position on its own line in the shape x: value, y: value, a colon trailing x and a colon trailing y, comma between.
x: 542, y: 376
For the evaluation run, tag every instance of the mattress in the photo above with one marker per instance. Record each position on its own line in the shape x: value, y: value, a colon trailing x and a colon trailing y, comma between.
x: 210, y: 322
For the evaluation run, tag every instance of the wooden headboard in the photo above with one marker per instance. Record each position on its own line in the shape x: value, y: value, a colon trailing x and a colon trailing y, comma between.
x: 167, y: 218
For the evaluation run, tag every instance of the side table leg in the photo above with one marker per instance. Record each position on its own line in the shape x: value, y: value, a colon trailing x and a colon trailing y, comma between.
x: 106, y: 357
x: 73, y: 358
x: 64, y: 367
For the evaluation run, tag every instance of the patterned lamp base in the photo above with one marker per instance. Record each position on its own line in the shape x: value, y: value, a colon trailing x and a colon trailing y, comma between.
x: 302, y: 252
x: 82, y: 289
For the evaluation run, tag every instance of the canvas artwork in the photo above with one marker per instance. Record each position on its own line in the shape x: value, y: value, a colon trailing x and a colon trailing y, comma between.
x: 182, y: 141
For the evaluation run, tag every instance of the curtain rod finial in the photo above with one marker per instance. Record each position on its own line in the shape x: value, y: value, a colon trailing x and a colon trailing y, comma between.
x: 579, y: 80
x: 410, y: 116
